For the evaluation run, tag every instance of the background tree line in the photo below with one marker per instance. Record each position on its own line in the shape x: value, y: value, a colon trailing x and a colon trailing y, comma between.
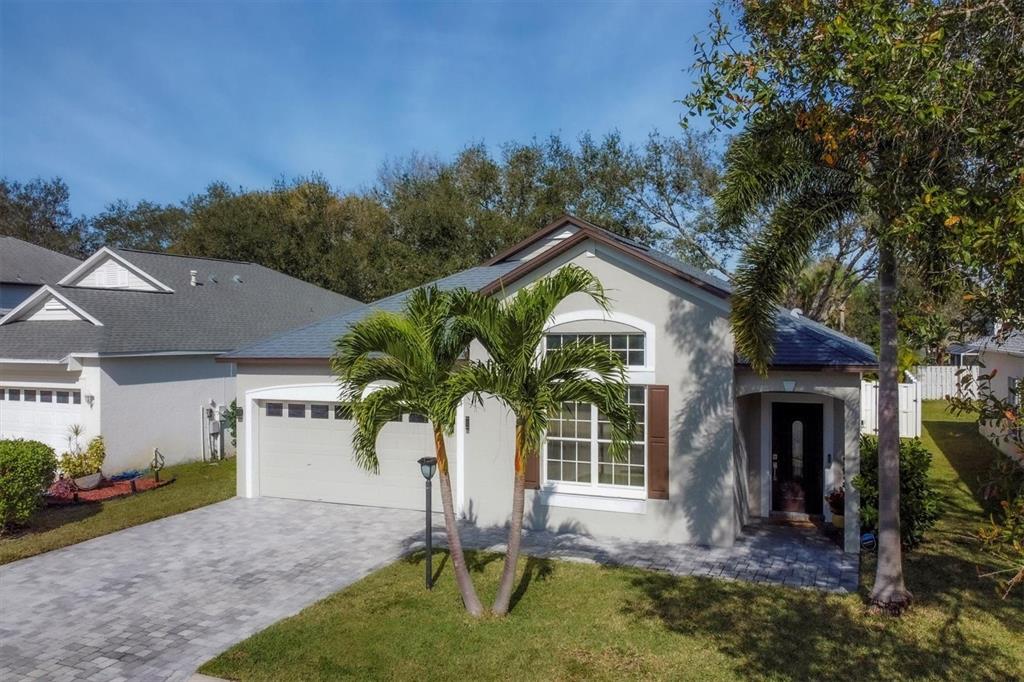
x: 425, y: 217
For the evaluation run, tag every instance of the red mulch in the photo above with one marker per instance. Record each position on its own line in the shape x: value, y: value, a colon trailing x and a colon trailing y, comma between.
x: 106, y: 491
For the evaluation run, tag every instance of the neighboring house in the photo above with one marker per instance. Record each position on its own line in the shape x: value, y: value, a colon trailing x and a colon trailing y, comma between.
x: 123, y: 344
x: 721, y: 445
x: 25, y: 267
x: 1002, y: 354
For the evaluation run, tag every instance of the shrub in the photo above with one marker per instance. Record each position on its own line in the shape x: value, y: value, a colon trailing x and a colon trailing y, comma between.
x: 83, y: 463
x: 27, y: 467
x: 919, y: 502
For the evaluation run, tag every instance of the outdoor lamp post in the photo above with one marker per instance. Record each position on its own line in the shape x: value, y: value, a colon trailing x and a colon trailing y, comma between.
x: 428, y: 465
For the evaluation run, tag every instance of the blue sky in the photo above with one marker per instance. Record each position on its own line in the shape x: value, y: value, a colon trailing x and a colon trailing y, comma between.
x: 155, y: 100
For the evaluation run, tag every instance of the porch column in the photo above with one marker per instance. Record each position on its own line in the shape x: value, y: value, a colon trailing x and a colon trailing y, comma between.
x: 851, y: 467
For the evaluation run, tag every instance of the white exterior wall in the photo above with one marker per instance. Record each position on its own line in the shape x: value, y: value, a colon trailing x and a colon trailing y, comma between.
x: 155, y: 402
x: 1005, y: 366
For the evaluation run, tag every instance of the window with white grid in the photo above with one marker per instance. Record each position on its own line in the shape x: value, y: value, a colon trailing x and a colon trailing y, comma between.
x: 578, y: 441
x: 630, y: 347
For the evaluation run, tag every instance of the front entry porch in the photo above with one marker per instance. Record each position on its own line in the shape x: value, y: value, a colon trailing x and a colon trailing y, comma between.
x: 798, y: 438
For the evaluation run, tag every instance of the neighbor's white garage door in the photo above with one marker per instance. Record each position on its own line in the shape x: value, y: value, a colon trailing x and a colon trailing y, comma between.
x: 305, y: 452
x: 42, y: 414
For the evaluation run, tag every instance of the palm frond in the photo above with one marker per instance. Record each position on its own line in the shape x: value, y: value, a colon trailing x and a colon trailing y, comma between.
x: 772, y: 262
x: 610, y: 399
x: 582, y: 359
x: 369, y: 415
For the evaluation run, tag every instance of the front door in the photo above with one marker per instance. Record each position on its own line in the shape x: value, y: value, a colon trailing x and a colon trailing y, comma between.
x: 797, y: 458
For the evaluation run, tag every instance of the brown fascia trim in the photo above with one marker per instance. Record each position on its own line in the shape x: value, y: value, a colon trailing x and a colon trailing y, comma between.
x: 814, y: 368
x: 310, y: 360
x: 584, y: 234
x: 557, y: 223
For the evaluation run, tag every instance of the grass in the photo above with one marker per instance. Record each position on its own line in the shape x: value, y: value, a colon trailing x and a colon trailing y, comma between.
x: 579, y: 621
x: 197, y: 484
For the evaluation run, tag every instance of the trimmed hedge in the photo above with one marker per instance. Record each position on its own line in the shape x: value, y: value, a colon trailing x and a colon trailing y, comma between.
x: 919, y: 502
x: 27, y: 467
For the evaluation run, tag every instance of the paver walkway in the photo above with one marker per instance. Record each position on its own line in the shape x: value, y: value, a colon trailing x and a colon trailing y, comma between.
x: 771, y: 554
x: 155, y: 601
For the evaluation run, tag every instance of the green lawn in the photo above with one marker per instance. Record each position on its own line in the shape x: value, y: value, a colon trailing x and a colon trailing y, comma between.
x: 197, y: 484
x: 578, y: 621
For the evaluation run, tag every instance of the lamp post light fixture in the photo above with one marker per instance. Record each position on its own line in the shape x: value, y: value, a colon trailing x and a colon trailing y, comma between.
x: 428, y: 465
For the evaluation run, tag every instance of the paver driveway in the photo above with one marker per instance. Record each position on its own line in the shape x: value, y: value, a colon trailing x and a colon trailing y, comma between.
x: 155, y: 601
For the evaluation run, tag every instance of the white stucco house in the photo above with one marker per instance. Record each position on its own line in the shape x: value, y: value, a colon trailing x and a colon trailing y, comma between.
x: 1002, y: 354
x: 124, y: 345
x: 722, y: 446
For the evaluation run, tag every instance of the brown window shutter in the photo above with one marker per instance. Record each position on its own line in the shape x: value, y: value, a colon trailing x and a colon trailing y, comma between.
x: 657, y: 442
x: 533, y: 472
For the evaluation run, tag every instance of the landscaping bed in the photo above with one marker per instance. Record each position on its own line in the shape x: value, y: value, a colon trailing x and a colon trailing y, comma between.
x: 58, y: 495
x: 54, y: 526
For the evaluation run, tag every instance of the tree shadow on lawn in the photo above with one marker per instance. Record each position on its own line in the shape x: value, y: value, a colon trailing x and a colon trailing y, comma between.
x: 970, y: 455
x: 52, y: 517
x: 532, y: 568
x: 788, y: 634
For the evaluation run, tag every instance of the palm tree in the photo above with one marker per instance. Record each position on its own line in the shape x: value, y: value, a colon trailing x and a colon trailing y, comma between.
x: 535, y: 386
x: 778, y: 172
x: 391, y: 363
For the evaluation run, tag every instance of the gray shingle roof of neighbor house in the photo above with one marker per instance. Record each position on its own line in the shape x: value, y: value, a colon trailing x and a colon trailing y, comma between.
x: 233, y: 303
x: 1011, y: 343
x: 799, y: 342
x: 25, y: 263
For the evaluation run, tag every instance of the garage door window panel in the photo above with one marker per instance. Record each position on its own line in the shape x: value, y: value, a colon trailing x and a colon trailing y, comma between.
x: 319, y: 411
x: 275, y: 409
x: 297, y: 410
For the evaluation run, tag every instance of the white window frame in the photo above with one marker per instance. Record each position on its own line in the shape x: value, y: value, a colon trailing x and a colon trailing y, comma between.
x: 563, y: 493
x: 634, y: 375
x: 595, y: 487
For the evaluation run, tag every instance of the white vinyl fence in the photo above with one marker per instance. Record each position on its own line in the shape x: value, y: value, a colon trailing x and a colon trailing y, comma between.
x: 910, y: 408
x: 938, y: 381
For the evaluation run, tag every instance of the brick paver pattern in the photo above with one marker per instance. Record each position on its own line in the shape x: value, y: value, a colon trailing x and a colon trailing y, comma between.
x: 155, y: 601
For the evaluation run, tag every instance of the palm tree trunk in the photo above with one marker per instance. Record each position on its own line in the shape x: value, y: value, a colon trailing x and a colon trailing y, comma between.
x: 889, y: 594
x: 462, y: 577
x: 515, y: 531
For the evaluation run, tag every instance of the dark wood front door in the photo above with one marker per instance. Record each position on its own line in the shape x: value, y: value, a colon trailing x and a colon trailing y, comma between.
x: 797, y: 457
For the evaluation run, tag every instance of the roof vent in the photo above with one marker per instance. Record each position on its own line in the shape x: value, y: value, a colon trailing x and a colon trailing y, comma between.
x: 236, y: 279
x: 796, y: 312
x: 192, y: 277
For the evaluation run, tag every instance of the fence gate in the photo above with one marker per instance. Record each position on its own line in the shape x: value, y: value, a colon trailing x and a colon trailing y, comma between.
x: 909, y: 410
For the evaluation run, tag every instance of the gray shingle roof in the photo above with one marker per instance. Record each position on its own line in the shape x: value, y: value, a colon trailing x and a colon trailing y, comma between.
x: 317, y: 340
x: 799, y: 341
x: 25, y: 263
x: 218, y: 315
x: 1011, y: 343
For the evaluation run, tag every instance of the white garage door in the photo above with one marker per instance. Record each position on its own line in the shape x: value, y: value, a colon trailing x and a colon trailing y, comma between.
x: 305, y: 452
x: 42, y: 414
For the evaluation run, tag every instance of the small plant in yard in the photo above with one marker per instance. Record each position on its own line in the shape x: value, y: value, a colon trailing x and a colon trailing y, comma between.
x: 77, y: 462
x: 919, y: 501
x: 27, y: 467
